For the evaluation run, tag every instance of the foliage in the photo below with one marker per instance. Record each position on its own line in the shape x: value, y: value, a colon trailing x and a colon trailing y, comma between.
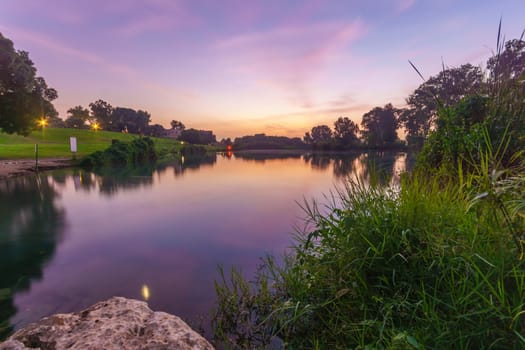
x: 78, y: 117
x: 262, y: 141
x: 137, y: 151
x: 507, y: 93
x: 201, y: 137
x: 102, y: 113
x: 346, y: 132
x: 445, y: 89
x: 379, y: 126
x: 458, y: 133
x: 319, y: 137
x: 508, y: 65
x: 156, y: 130
x: 177, y: 125
x: 129, y: 120
x: 24, y: 97
x: 421, y: 267
x: 478, y: 123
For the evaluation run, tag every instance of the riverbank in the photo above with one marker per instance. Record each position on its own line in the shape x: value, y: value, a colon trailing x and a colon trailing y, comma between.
x: 19, y: 167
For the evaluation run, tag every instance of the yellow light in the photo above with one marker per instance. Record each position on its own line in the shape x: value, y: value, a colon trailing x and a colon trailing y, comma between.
x: 182, y: 142
x: 145, y: 292
x: 42, y: 123
x: 95, y: 126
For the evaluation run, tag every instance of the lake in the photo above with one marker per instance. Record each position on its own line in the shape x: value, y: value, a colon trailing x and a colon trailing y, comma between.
x: 71, y: 238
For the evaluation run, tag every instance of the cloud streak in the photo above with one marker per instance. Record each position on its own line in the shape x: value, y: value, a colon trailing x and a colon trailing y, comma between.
x: 289, y: 57
x: 60, y: 48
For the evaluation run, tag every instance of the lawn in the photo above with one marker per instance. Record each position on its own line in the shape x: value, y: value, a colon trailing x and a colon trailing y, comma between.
x: 54, y: 143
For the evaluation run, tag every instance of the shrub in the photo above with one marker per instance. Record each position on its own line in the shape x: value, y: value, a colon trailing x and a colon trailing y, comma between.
x: 120, y: 153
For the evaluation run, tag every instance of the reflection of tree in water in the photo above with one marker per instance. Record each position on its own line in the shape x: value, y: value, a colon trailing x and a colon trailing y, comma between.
x: 193, y: 162
x: 31, y: 225
x: 112, y: 180
x: 345, y: 165
x: 261, y: 156
x: 108, y: 180
x: 318, y: 161
x: 383, y: 167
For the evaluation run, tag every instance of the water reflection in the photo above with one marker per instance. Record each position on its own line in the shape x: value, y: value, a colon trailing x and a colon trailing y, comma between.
x: 31, y: 225
x: 193, y: 162
x: 261, y: 156
x: 156, y: 232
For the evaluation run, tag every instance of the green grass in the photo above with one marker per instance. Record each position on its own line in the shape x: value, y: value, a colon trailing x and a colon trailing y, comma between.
x: 422, y: 266
x: 55, y: 143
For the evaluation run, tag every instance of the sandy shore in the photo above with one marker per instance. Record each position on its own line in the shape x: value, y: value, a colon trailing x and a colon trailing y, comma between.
x: 17, y: 167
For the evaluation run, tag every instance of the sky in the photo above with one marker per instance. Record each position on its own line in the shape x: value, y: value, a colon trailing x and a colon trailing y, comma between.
x: 240, y: 67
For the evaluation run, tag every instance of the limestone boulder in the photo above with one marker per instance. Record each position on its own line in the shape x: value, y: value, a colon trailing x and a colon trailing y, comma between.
x: 117, y: 323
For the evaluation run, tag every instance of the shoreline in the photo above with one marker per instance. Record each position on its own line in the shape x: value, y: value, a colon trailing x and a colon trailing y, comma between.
x: 20, y: 167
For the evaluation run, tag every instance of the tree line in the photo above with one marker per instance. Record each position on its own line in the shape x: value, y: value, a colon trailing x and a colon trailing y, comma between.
x: 25, y: 97
x: 379, y: 127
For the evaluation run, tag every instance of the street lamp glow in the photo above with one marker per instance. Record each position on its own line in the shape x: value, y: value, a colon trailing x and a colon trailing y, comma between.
x: 42, y: 123
x: 95, y: 126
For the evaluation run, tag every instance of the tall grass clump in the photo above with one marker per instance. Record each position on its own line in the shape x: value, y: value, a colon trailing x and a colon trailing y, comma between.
x: 420, y: 267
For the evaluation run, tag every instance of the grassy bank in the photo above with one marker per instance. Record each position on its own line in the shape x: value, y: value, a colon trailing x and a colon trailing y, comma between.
x: 431, y: 265
x: 54, y: 143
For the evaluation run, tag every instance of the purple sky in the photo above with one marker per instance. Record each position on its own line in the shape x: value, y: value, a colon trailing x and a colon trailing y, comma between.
x: 245, y: 66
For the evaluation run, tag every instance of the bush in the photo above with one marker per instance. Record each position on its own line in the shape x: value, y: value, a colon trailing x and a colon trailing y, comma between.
x: 120, y: 153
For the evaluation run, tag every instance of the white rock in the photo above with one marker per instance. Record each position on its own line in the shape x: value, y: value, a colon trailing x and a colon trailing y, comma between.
x: 117, y: 323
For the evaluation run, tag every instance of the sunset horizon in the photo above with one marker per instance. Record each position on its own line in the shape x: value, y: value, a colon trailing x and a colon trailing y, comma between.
x: 241, y: 69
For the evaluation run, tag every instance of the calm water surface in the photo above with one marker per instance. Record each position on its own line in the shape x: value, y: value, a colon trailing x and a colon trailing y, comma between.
x: 71, y: 238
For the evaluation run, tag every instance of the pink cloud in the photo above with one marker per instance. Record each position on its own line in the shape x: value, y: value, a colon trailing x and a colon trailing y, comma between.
x: 155, y: 16
x: 405, y: 5
x: 289, y: 57
x: 60, y: 48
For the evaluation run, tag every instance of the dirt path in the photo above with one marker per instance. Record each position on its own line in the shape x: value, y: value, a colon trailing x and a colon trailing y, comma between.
x: 17, y: 167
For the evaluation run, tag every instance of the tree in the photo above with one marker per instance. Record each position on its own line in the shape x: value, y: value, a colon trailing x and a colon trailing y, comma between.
x: 445, y: 89
x: 177, y: 125
x: 77, y: 117
x: 156, y: 130
x: 345, y: 132
x: 24, y: 97
x: 320, y: 135
x: 379, y: 126
x: 102, y: 112
x: 129, y: 120
x: 201, y: 137
x: 508, y: 65
x: 507, y: 94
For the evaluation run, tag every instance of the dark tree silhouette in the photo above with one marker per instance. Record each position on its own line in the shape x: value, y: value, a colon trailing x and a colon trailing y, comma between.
x: 77, y: 117
x: 319, y: 136
x: 508, y: 65
x: 129, y: 120
x: 379, y: 126
x: 345, y: 132
x: 200, y: 137
x: 445, y: 89
x: 177, y: 125
x: 102, y: 112
x: 156, y: 130
x: 24, y: 97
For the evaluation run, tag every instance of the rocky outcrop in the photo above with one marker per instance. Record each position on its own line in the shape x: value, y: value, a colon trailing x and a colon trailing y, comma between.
x: 117, y: 323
